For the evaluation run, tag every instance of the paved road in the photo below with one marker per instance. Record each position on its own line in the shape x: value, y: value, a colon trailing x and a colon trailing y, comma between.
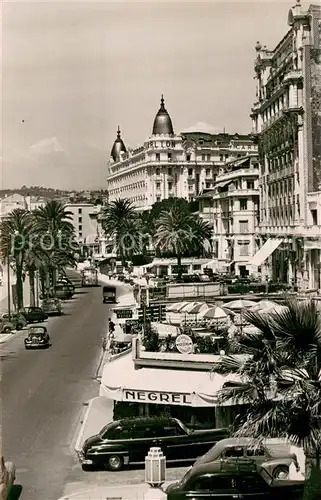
x: 43, y: 392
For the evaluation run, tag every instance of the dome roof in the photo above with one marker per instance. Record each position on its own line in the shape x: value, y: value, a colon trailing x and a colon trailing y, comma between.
x: 118, y: 147
x: 162, y: 123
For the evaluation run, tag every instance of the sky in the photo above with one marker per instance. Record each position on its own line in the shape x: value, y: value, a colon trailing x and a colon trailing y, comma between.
x: 73, y: 71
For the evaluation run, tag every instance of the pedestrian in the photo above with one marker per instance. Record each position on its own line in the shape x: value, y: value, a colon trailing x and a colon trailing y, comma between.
x: 111, y: 326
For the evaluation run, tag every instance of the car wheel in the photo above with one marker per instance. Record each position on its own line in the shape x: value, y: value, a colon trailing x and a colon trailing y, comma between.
x: 7, y: 329
x: 280, y: 472
x: 27, y: 347
x: 114, y: 463
x: 19, y: 326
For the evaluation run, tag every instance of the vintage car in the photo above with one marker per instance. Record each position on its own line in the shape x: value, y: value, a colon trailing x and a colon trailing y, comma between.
x: 6, y: 326
x: 37, y: 338
x: 128, y: 441
x: 16, y: 319
x: 230, y: 481
x: 109, y: 294
x: 7, y: 478
x: 52, y: 307
x: 276, y: 458
x: 34, y: 314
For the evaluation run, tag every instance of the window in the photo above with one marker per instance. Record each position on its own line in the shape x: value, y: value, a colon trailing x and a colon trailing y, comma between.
x: 158, y: 185
x: 79, y: 235
x: 118, y: 433
x: 190, y: 172
x: 169, y: 156
x: 203, y: 157
x: 251, y: 484
x: 250, y: 184
x: 80, y: 220
x: 208, y: 157
x: 197, y: 267
x: 169, y: 430
x: 207, y: 185
x: 221, y: 157
x: 208, y: 172
x: 157, y: 157
x: 158, y: 198
x: 170, y: 186
x: 157, y: 171
x: 244, y: 248
x: 188, y: 157
x: 169, y: 171
x: 314, y: 214
x: 79, y: 210
x: 80, y: 227
x: 255, y: 452
x: 234, y: 451
x: 244, y: 226
x: 212, y: 483
x: 142, y: 431
x: 243, y: 203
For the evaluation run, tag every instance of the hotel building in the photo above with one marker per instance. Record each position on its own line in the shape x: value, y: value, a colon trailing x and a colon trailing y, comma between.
x: 232, y: 208
x: 287, y: 123
x: 171, y: 165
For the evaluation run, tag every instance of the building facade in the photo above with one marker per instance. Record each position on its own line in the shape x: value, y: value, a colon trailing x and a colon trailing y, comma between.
x: 84, y: 217
x: 16, y: 200
x: 232, y: 208
x: 286, y: 121
x: 170, y: 165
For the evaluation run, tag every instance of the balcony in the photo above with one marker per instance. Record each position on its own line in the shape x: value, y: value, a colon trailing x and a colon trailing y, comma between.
x: 238, y: 173
x: 294, y: 75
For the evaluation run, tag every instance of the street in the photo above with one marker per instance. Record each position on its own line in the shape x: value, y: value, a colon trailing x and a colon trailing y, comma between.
x: 43, y: 393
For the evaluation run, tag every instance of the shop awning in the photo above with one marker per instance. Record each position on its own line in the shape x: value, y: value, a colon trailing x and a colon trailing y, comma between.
x: 121, y: 382
x: 265, y: 251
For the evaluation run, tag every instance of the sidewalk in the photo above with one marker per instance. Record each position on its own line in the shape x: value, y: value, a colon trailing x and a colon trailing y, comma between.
x: 128, y: 492
x: 98, y: 414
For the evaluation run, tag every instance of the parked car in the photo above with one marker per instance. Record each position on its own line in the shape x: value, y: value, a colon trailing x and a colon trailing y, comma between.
x: 7, y: 478
x: 128, y: 441
x: 229, y: 481
x: 16, y: 319
x: 52, y: 307
x: 6, y: 326
x: 34, y: 314
x: 37, y: 338
x: 276, y: 458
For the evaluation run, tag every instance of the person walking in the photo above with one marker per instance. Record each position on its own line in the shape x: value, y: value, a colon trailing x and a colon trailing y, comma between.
x: 111, y: 327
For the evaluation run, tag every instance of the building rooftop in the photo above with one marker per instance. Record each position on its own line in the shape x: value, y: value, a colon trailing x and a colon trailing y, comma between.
x: 162, y: 123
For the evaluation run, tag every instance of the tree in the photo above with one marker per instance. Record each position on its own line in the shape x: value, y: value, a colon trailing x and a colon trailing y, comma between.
x: 56, y: 235
x: 15, y: 242
x: 280, y: 378
x: 178, y: 232
x: 119, y: 221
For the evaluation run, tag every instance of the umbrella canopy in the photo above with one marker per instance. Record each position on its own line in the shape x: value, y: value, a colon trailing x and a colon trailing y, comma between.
x: 277, y: 309
x: 214, y: 313
x: 181, y: 306
x: 264, y: 304
x: 196, y: 308
x: 237, y: 305
x: 174, y: 307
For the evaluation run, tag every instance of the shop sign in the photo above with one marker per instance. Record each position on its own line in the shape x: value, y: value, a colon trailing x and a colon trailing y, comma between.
x: 184, y: 344
x: 163, y: 398
x: 124, y: 313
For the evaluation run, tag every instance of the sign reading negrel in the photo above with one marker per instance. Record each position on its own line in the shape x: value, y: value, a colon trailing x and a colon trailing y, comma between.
x: 162, y: 398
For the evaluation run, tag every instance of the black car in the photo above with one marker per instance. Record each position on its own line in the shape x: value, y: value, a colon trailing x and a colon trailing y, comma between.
x: 37, y: 338
x: 34, y: 314
x: 230, y: 482
x: 128, y: 441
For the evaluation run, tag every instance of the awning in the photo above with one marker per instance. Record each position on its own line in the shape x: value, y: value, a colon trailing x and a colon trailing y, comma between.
x: 121, y: 382
x: 265, y: 251
x: 223, y: 183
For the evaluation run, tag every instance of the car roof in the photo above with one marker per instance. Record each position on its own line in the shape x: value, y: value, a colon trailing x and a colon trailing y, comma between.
x: 142, y: 420
x: 221, y: 468
x: 229, y: 442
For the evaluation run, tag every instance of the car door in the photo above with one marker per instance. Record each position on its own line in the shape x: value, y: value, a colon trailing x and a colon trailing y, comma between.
x: 253, y: 487
x: 175, y: 443
x: 141, y: 440
x: 208, y: 486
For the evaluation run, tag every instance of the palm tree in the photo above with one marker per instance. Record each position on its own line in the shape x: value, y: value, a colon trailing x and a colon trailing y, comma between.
x: 178, y: 232
x: 280, y: 378
x: 56, y: 233
x: 118, y: 220
x: 15, y: 242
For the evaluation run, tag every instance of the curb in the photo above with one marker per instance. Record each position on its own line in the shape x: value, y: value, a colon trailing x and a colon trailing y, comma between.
x: 134, y: 491
x: 83, y: 424
x: 5, y: 336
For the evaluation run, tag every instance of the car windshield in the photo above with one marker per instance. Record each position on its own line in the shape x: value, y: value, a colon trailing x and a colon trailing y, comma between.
x: 183, y: 427
x: 186, y: 477
x: 36, y: 331
x: 106, y: 428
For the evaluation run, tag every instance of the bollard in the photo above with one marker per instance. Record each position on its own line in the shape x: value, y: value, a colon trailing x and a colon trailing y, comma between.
x: 155, y: 471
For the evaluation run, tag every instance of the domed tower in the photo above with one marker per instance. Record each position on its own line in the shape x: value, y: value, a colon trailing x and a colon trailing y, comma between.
x: 118, y: 147
x: 162, y: 123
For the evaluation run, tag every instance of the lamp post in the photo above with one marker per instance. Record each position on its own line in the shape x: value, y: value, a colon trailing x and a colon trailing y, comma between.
x: 9, y: 287
x: 155, y: 473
